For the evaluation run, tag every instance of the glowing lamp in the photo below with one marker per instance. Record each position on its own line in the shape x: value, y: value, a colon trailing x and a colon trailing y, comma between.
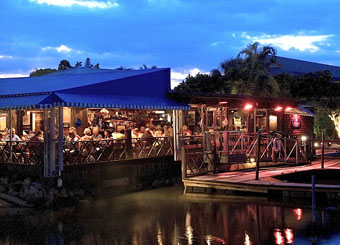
x: 223, y: 102
x: 288, y: 108
x: 303, y: 137
x: 289, y: 235
x: 248, y: 107
x: 252, y: 160
x: 278, y: 108
x: 298, y: 213
x: 316, y: 144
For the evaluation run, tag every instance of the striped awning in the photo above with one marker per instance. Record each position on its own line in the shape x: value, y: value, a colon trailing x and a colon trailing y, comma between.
x: 91, y: 88
x: 122, y: 102
x: 23, y: 102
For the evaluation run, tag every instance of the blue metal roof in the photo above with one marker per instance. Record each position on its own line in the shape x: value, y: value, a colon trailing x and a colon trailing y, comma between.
x: 299, y: 67
x: 91, y: 87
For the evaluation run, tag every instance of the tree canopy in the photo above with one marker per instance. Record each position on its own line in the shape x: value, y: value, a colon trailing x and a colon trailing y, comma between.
x: 248, y: 73
x: 63, y: 65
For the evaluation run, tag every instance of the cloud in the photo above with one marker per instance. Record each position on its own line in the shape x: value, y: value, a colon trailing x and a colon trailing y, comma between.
x: 8, y: 75
x: 177, y: 77
x: 69, y: 3
x: 286, y: 42
x: 6, y: 56
x: 61, y: 49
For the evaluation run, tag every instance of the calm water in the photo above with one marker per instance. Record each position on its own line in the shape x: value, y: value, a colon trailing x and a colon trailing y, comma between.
x: 164, y: 216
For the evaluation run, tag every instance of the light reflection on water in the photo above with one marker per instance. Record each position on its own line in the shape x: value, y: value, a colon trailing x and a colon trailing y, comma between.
x: 164, y: 216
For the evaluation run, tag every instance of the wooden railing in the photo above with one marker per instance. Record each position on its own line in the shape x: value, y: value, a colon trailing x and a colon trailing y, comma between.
x: 79, y: 152
x: 209, y: 153
x: 21, y: 152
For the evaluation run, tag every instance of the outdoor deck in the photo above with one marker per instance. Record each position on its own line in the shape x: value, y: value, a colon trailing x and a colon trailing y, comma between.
x: 243, y: 182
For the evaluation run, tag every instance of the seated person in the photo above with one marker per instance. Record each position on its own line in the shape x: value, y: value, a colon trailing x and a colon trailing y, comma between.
x: 107, y: 134
x: 87, y: 135
x: 95, y: 134
x: 159, y: 132
x: 14, y: 136
x: 186, y: 131
x: 35, y: 142
x: 135, y: 133
x: 147, y: 137
x: 118, y: 135
x: 73, y: 136
x: 141, y: 131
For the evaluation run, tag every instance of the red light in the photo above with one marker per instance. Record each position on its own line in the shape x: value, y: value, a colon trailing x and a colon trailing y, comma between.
x: 289, y: 235
x: 288, y: 108
x: 248, y: 107
x: 279, y: 239
x: 278, y: 108
x: 298, y: 213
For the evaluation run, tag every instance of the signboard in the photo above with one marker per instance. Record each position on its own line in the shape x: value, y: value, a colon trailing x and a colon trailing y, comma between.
x: 296, y: 122
x: 77, y: 123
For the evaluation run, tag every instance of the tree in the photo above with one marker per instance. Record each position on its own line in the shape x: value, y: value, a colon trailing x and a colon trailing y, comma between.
x: 205, y: 83
x: 64, y: 65
x: 41, y: 72
x: 250, y: 71
x: 144, y: 67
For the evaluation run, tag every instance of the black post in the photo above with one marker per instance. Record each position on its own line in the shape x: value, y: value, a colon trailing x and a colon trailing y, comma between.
x: 313, y: 199
x: 128, y: 143
x: 258, y: 153
x: 322, y: 148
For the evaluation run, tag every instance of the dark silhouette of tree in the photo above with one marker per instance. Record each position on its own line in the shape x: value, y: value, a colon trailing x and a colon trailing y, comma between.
x: 64, y: 65
x: 144, y: 67
x: 249, y: 72
x: 41, y: 72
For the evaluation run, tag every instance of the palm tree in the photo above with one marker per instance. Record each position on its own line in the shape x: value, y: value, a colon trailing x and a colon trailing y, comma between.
x: 250, y: 71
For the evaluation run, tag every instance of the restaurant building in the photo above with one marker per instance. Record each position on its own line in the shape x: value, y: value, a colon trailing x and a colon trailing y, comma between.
x: 122, y: 100
x: 82, y: 98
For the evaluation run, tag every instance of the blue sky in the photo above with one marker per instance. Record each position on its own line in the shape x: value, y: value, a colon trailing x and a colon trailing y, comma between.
x: 189, y: 36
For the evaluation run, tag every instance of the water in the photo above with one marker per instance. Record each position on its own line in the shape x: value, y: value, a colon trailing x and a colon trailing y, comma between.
x: 164, y: 216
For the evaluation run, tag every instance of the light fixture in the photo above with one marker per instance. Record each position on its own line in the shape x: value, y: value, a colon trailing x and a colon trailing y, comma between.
x: 288, y: 108
x: 248, y: 107
x: 104, y: 110
x: 316, y: 144
x: 303, y: 137
x: 278, y: 108
x: 223, y: 102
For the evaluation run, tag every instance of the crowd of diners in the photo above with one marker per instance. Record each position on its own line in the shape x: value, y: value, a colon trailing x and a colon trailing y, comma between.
x: 92, y: 133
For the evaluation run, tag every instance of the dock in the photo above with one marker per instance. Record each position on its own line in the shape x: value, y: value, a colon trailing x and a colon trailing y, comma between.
x: 270, y: 183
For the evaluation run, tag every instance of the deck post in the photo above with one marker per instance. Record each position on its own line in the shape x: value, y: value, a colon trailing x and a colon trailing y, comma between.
x: 10, y: 137
x: 322, y: 148
x: 61, y: 139
x: 52, y: 143
x: 47, y: 135
x: 313, y: 199
x: 297, y: 151
x: 184, y: 163
x: 128, y: 143
x: 258, y: 154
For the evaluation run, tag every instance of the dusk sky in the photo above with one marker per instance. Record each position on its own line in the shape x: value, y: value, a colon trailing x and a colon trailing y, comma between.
x: 189, y: 36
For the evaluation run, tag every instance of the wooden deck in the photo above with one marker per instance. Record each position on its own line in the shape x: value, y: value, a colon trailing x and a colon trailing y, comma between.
x: 244, y: 183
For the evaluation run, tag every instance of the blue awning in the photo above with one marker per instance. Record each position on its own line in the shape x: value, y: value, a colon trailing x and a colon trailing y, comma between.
x: 23, y: 102
x: 91, y: 87
x: 119, y: 101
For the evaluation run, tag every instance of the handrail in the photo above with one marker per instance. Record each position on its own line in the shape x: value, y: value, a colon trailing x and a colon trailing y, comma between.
x: 90, y: 151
